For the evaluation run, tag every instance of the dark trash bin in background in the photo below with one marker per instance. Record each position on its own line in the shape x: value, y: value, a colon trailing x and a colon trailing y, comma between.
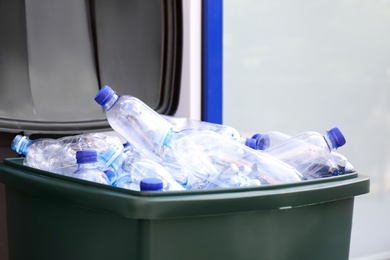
x: 54, y: 55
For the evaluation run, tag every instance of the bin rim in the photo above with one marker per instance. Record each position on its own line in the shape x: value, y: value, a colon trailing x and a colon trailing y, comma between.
x: 176, y: 204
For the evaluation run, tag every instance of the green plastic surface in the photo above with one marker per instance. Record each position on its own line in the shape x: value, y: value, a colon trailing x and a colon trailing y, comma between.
x: 57, y: 217
x: 134, y: 204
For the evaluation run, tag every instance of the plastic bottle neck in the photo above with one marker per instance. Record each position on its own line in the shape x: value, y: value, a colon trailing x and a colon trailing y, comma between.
x: 21, y: 144
x: 111, y: 102
x: 330, y: 142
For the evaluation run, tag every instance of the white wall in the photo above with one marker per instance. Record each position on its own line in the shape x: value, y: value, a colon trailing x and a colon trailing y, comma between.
x: 190, y: 92
x: 302, y: 65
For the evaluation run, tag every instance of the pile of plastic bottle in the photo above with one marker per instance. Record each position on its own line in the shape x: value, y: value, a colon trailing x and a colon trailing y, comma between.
x: 165, y: 153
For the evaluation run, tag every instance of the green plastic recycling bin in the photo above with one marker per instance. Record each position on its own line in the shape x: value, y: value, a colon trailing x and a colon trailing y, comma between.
x: 57, y: 217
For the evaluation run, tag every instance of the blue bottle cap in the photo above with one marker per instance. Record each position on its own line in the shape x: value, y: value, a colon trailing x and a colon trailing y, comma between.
x: 86, y: 156
x: 256, y: 136
x: 250, y: 142
x: 336, y: 137
x: 20, y: 144
x: 104, y: 95
x: 110, y: 174
x: 151, y: 184
x: 335, y: 172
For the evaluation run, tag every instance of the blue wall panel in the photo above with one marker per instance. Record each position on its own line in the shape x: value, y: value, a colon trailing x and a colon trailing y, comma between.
x: 212, y: 52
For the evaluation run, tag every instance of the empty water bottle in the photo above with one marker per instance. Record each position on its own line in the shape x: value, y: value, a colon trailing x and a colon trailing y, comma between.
x: 308, y: 152
x: 131, y: 168
x: 152, y: 135
x: 269, y: 140
x: 229, y: 132
x: 39, y: 153
x: 87, y: 167
x: 337, y: 163
x: 59, y: 155
x: 239, y: 165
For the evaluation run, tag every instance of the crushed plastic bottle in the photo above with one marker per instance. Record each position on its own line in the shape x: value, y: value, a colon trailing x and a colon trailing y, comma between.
x: 336, y: 165
x: 269, y: 139
x: 229, y: 132
x: 182, y: 123
x: 59, y: 155
x: 88, y: 169
x: 308, y: 152
x: 239, y: 165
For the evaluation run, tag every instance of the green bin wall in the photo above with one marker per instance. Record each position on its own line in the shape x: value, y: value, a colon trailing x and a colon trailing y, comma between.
x: 57, y: 217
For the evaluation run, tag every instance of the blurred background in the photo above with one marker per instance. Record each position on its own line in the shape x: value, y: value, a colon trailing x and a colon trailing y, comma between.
x: 295, y: 66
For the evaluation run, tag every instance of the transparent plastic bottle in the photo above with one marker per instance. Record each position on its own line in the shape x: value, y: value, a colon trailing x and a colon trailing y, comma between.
x: 182, y: 123
x: 308, y: 152
x: 337, y: 164
x: 179, y: 173
x: 39, y: 153
x: 59, y: 155
x: 269, y: 140
x: 152, y: 135
x: 87, y: 167
x: 151, y: 184
x: 239, y: 165
x: 130, y: 169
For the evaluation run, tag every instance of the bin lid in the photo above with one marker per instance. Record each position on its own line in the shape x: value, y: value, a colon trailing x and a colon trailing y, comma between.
x: 178, y: 204
x: 55, y: 56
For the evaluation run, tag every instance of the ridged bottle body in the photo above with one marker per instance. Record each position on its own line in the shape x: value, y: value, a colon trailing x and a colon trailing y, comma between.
x: 308, y: 152
x: 59, y: 155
